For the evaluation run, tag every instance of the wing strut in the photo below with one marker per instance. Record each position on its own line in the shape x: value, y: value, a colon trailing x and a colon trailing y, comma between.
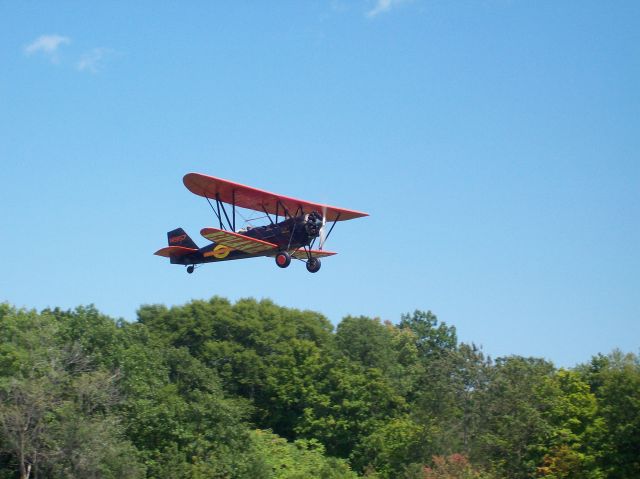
x: 217, y: 213
x: 293, y: 231
x: 224, y: 210
x: 233, y: 206
x: 285, y: 210
x: 231, y: 225
x: 330, y: 230
x: 268, y: 215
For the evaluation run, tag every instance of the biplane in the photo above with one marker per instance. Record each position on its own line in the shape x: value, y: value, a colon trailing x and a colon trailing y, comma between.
x: 293, y: 228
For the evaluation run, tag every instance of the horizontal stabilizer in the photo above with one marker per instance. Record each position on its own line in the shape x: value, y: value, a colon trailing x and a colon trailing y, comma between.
x: 237, y: 241
x: 175, y: 251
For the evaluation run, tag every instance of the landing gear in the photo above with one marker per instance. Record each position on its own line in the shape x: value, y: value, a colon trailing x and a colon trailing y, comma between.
x: 190, y: 268
x: 313, y: 265
x: 283, y: 259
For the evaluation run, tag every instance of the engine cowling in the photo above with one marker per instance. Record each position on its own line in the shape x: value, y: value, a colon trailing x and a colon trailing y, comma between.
x: 313, y: 223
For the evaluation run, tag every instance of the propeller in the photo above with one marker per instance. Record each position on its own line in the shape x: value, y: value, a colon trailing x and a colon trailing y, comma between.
x: 323, y: 231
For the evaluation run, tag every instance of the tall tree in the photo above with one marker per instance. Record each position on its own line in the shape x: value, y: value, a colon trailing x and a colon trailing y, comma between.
x: 515, y: 426
x: 615, y: 380
x: 573, y: 417
x: 54, y: 401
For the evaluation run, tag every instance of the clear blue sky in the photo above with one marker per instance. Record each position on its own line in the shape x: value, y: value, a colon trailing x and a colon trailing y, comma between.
x: 494, y: 143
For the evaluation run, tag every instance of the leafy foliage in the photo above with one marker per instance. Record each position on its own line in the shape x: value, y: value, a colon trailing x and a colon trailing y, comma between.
x: 212, y: 389
x: 455, y: 466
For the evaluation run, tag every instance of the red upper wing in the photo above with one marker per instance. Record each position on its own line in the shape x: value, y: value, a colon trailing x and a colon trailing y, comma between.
x: 259, y: 200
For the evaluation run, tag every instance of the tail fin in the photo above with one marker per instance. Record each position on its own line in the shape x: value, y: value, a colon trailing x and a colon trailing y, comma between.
x: 179, y: 237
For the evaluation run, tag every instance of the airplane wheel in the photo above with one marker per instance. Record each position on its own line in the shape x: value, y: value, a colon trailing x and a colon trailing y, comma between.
x: 283, y: 259
x: 190, y: 268
x: 313, y: 265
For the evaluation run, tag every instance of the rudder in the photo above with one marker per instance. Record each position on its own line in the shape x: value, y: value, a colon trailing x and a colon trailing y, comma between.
x: 179, y: 237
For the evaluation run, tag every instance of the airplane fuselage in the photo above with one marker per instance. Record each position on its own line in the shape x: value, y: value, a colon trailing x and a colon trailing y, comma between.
x: 289, y: 234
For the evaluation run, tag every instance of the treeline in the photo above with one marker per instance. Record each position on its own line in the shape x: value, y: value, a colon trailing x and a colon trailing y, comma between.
x: 213, y: 389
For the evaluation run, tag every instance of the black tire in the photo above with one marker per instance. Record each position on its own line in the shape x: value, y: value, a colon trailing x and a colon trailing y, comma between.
x: 283, y: 259
x: 190, y: 268
x: 313, y: 265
